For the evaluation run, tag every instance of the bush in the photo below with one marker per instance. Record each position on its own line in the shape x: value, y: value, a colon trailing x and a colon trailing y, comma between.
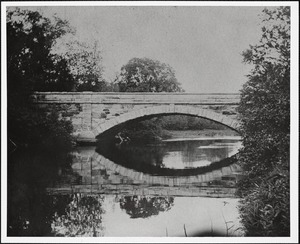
x: 34, y: 127
x: 145, y: 131
x: 185, y: 122
x: 265, y: 208
x: 265, y: 128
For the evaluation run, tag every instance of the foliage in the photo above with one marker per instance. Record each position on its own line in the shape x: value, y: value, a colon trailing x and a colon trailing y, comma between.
x: 274, y: 46
x: 265, y: 211
x: 44, y: 54
x: 83, y: 217
x: 84, y: 62
x: 29, y: 126
x: 30, y: 65
x: 184, y: 122
x: 30, y: 208
x: 144, y: 206
x: 145, y: 131
x: 265, y: 118
x: 146, y: 75
x: 158, y: 128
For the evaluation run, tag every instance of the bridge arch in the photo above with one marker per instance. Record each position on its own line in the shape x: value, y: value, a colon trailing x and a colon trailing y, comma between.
x: 166, y: 109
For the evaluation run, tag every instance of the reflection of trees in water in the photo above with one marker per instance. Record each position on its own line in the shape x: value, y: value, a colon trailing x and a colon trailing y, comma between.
x: 32, y: 211
x: 29, y: 207
x: 82, y: 217
x: 145, y: 206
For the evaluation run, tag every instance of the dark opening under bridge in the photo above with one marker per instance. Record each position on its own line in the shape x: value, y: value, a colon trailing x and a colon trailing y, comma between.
x: 95, y: 113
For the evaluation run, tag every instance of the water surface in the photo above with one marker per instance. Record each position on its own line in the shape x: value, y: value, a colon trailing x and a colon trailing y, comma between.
x: 87, y: 193
x: 171, y: 157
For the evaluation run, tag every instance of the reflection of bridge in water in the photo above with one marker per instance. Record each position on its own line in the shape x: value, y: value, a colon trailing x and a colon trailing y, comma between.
x: 99, y: 175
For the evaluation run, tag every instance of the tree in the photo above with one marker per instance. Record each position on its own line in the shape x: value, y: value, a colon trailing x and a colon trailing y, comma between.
x: 146, y: 75
x: 265, y: 128
x: 30, y: 65
x: 84, y: 62
x: 45, y: 55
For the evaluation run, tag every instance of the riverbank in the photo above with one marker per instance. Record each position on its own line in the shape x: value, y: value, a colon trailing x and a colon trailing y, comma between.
x: 176, y: 134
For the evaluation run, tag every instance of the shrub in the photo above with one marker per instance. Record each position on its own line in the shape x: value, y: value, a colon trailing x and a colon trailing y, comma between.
x: 265, y: 128
x: 35, y: 127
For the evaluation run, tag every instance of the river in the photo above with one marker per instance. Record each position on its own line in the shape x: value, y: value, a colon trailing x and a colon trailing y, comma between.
x: 181, y: 187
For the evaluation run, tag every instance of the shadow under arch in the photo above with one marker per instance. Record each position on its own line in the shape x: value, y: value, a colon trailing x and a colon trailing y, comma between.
x: 114, y: 124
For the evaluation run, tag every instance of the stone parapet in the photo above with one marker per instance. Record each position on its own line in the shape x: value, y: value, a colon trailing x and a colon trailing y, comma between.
x: 136, y: 98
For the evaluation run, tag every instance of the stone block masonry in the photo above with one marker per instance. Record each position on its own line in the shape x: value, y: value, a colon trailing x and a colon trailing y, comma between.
x: 93, y: 113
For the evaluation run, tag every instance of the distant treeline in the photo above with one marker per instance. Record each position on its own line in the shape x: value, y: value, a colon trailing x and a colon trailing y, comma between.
x: 184, y: 122
x: 158, y: 128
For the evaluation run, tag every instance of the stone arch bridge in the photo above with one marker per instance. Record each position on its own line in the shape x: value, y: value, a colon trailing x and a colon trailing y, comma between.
x: 94, y: 114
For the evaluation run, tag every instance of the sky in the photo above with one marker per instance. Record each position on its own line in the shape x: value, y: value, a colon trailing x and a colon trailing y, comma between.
x: 203, y: 44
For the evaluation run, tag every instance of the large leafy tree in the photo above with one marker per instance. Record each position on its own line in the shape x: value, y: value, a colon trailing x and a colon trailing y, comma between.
x: 44, y: 55
x: 265, y: 118
x: 147, y: 75
x: 30, y: 65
